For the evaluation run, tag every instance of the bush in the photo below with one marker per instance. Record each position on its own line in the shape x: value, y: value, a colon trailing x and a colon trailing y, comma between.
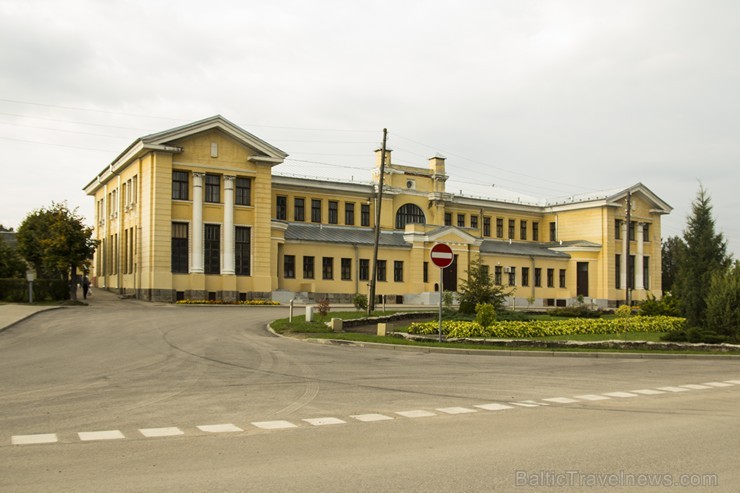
x: 485, y: 314
x: 578, y: 311
x: 323, y: 307
x: 623, y: 311
x: 665, y: 306
x: 360, y: 302
x: 16, y: 290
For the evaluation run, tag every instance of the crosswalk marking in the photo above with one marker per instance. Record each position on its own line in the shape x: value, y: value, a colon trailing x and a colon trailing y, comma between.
x: 367, y: 418
x: 560, y: 400
x: 161, y: 432
x: 592, y: 397
x: 733, y: 382
x: 223, y: 428
x: 456, y: 410
x: 494, y: 406
x: 527, y: 404
x: 34, y: 439
x: 324, y: 421
x: 648, y: 392
x: 718, y: 384
x: 620, y: 394
x: 673, y: 389
x: 694, y: 386
x: 87, y: 436
x: 418, y: 413
x: 274, y: 425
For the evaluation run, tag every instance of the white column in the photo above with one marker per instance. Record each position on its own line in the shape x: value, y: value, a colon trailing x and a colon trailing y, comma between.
x: 623, y: 264
x: 228, y: 225
x: 196, y: 261
x: 639, y: 283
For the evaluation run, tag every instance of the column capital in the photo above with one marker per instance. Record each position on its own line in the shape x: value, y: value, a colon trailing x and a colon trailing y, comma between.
x: 229, y: 177
x: 198, y: 174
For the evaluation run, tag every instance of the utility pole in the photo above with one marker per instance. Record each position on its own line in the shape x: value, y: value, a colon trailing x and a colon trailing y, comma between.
x: 628, y: 295
x: 378, y: 204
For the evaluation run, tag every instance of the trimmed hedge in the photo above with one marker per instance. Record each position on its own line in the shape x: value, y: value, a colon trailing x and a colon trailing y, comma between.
x: 543, y: 328
x: 16, y: 290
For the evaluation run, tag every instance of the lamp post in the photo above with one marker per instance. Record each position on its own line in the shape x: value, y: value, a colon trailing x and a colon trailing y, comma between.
x: 30, y: 277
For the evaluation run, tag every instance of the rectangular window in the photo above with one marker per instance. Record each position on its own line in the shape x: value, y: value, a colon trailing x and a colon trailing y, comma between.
x: 461, y: 220
x: 281, y: 207
x: 289, y: 266
x: 474, y: 222
x: 243, y: 192
x: 512, y: 276
x: 299, y: 209
x: 333, y: 212
x: 213, y: 188
x: 212, y: 251
x: 346, y: 269
x: 365, y: 215
x: 308, y: 267
x: 618, y: 229
x: 618, y: 271
x: 486, y: 226
x: 525, y: 276
x: 381, y: 271
x: 349, y: 213
x: 180, y: 185
x: 315, y: 210
x: 512, y: 228
x: 499, y: 227
x: 242, y: 249
x: 631, y: 272
x: 327, y: 268
x: 425, y: 272
x: 522, y: 230
x: 498, y: 275
x: 550, y: 278
x: 646, y: 234
x: 364, y: 273
x: 553, y: 231
x: 448, y: 219
x: 632, y: 231
x: 646, y: 272
x: 562, y: 278
x: 535, y: 231
x: 398, y: 270
x: 537, y: 277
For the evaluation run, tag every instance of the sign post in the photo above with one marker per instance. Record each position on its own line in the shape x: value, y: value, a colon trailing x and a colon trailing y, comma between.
x: 442, y: 257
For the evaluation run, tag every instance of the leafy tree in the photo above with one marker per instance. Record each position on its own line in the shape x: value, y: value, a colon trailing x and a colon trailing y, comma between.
x: 705, y: 253
x: 670, y: 254
x: 11, y: 263
x: 480, y: 288
x: 723, y: 303
x: 57, y: 243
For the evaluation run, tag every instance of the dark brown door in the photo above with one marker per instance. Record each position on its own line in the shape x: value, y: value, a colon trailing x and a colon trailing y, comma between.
x: 449, y: 276
x: 582, y: 278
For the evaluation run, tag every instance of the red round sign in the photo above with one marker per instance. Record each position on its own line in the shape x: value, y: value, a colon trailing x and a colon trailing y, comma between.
x: 442, y: 255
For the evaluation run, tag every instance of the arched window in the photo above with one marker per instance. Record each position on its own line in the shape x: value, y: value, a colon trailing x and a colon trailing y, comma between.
x: 409, y: 213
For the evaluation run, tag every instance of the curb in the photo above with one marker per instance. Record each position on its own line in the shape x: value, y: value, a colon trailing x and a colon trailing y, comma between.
x: 16, y: 322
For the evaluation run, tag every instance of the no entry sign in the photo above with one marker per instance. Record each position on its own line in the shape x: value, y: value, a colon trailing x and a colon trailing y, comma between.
x: 442, y: 255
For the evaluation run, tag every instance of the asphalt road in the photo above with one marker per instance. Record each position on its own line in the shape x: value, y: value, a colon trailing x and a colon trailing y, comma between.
x: 130, y: 396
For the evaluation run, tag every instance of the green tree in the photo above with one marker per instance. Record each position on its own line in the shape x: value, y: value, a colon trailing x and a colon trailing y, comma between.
x: 704, y: 254
x: 671, y: 251
x: 57, y: 243
x: 723, y: 303
x: 11, y: 263
x: 480, y: 288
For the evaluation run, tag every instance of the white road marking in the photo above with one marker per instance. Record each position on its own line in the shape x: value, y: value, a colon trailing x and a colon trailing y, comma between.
x: 274, y: 425
x: 673, y: 389
x: 592, y: 397
x: 324, y: 421
x: 734, y: 382
x: 456, y: 410
x: 367, y: 418
x: 694, y: 386
x: 620, y: 394
x: 87, y: 436
x: 718, y: 384
x: 494, y: 406
x: 560, y: 400
x: 648, y: 392
x: 415, y: 414
x: 527, y: 404
x: 224, y: 428
x: 161, y: 432
x: 34, y: 439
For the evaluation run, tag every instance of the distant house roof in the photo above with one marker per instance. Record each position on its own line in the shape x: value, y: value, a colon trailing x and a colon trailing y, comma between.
x: 9, y: 238
x: 342, y: 234
x: 520, y: 249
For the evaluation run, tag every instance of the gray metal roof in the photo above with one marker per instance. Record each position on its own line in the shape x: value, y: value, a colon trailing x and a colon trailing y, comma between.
x: 342, y: 234
x: 521, y: 249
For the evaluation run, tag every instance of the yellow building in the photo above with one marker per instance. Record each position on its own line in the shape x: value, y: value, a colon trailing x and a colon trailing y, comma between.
x: 195, y: 212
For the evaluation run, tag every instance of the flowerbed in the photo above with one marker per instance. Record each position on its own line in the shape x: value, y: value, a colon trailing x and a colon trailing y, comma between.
x: 219, y: 302
x: 544, y: 328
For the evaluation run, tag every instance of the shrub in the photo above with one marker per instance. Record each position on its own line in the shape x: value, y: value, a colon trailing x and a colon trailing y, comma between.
x: 623, y: 311
x: 323, y: 307
x: 485, y: 314
x: 360, y: 302
x: 665, y: 306
x: 578, y: 311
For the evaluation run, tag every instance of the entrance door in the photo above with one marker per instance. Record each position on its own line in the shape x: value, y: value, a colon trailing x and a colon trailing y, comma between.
x: 449, y: 276
x: 582, y: 279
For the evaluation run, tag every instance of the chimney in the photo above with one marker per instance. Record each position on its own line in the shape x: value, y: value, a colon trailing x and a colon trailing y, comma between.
x: 437, y: 165
x: 378, y: 154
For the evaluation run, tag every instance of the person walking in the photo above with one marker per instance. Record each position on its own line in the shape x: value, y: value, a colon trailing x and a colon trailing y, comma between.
x: 85, y: 286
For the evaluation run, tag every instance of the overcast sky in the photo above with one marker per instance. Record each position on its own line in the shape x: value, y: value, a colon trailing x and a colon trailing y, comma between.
x: 524, y: 98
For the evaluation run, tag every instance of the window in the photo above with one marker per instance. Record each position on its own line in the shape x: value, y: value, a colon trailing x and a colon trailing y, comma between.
x: 242, y: 248
x: 346, y: 269
x: 618, y: 229
x: 461, y: 220
x: 409, y: 214
x: 448, y: 219
x: 550, y: 278
x: 333, y: 212
x: 512, y: 276
x: 522, y: 230
x: 486, y: 226
x: 212, y: 233
x: 398, y: 271
x: 243, y: 191
x: 315, y: 210
x: 474, y: 222
x: 535, y: 231
x: 289, y: 266
x: 632, y: 231
x: 499, y: 227
x: 299, y: 209
x: 537, y: 277
x: 213, y: 188
x: 349, y: 213
x: 512, y: 228
x: 553, y: 231
x: 364, y: 273
x: 562, y: 278
x: 308, y: 267
x: 180, y: 248
x: 646, y: 234
x: 381, y: 271
x: 618, y: 271
x: 365, y: 215
x: 281, y: 207
x: 498, y: 275
x: 646, y: 272
x: 425, y: 272
x: 180, y: 185
x: 631, y: 272
x: 525, y: 276
x: 327, y: 268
